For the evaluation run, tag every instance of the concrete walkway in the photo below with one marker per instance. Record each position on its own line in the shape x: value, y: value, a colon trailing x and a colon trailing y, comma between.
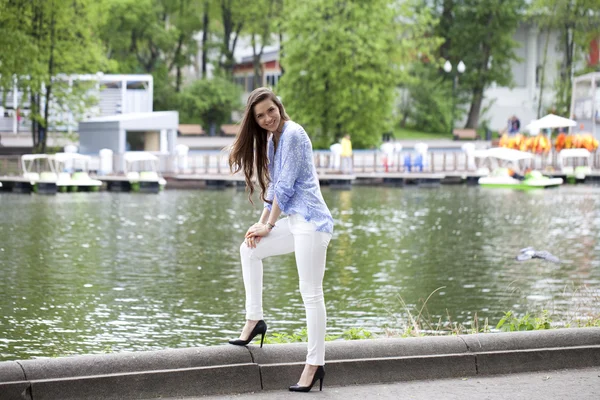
x: 576, y: 384
x: 227, y: 369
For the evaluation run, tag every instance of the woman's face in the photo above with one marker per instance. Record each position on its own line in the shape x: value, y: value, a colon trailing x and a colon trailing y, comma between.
x: 266, y: 114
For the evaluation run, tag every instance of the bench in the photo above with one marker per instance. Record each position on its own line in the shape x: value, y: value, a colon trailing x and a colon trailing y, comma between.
x: 229, y: 129
x: 465, y: 134
x: 190, y: 130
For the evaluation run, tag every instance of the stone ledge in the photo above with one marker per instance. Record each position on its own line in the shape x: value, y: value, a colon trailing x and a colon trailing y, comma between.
x: 231, y: 369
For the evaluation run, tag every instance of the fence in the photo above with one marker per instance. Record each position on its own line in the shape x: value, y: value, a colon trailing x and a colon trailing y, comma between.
x: 216, y: 162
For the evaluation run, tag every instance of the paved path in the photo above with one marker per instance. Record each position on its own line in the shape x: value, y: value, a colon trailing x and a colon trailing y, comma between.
x: 582, y: 384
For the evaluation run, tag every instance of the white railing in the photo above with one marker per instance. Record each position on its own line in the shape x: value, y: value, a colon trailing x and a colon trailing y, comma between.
x: 216, y: 162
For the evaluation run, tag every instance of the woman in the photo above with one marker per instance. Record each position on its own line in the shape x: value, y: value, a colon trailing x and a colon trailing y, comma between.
x: 281, y: 152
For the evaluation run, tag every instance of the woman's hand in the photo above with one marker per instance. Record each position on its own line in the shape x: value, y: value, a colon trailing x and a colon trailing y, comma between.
x: 258, y: 230
x: 255, y: 234
x: 256, y: 225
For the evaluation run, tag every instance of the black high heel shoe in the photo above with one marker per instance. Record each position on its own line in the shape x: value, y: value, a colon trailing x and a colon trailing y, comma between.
x: 319, y: 374
x: 259, y: 329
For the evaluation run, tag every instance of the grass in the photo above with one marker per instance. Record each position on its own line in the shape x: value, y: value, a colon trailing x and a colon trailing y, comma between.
x: 405, y: 133
x: 413, y: 134
x: 416, y: 321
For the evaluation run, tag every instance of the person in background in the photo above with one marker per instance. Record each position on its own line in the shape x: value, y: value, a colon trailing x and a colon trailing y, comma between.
x: 280, y: 152
x: 346, y: 154
x: 19, y: 117
x: 514, y: 125
x: 334, y: 159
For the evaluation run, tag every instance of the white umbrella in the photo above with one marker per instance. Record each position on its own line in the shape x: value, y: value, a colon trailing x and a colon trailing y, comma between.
x: 552, y: 121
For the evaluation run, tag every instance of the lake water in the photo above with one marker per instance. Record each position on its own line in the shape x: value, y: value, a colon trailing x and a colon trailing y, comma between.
x: 106, y: 272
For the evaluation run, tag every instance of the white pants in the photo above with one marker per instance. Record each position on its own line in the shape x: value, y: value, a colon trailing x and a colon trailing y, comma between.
x: 292, y: 234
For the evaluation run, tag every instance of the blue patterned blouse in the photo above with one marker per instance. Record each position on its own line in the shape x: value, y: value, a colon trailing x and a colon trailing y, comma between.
x: 294, y: 180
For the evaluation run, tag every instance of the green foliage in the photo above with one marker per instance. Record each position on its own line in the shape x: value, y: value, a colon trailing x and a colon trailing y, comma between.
x: 302, y: 336
x: 143, y: 34
x: 77, y: 98
x: 356, y: 334
x: 209, y: 101
x: 405, y: 133
x: 298, y: 336
x: 165, y: 92
x: 480, y: 33
x: 339, y: 72
x: 482, y: 37
x: 510, y: 322
x: 44, y: 41
x: 430, y: 108
x: 155, y: 37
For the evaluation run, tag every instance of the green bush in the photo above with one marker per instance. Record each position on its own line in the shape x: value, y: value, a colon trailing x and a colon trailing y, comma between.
x: 209, y: 102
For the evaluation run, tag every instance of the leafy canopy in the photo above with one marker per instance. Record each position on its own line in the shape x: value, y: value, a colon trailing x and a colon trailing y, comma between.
x: 209, y: 102
x: 340, y: 75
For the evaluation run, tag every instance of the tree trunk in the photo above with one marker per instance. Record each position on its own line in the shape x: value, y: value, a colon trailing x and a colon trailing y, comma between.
x: 205, y: 22
x: 226, y: 64
x: 475, y: 109
x: 477, y: 99
x: 176, y: 62
x: 256, y: 63
x: 45, y: 125
x: 446, y: 23
x: 543, y: 74
x: 34, y: 109
x: 568, y: 70
x: 178, y: 80
x: 36, y: 32
x: 281, y: 52
x: 229, y: 29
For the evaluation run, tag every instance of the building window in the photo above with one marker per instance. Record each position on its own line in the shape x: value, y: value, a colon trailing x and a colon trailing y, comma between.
x: 273, y: 79
x: 250, y: 83
x: 240, y: 80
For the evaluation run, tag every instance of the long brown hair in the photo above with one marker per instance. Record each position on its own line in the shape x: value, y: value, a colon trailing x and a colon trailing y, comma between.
x: 249, y: 150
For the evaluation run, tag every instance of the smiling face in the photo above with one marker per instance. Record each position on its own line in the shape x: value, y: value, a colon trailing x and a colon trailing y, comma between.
x: 267, y: 116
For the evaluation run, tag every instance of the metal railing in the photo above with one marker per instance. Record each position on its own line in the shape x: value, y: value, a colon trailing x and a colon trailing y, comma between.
x: 363, y: 162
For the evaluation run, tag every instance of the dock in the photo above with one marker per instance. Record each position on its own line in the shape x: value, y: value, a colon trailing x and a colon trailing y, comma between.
x: 421, y: 179
x: 115, y: 183
x: 447, y: 165
x: 221, y: 181
x: 17, y: 184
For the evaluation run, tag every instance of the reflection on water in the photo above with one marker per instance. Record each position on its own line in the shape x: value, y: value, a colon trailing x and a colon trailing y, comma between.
x: 95, y: 272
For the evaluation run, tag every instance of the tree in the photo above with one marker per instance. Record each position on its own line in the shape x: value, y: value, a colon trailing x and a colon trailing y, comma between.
x: 577, y: 23
x: 155, y: 37
x: 186, y: 22
x: 233, y: 18
x: 424, y: 102
x: 56, y: 38
x: 480, y: 33
x: 340, y: 73
x: 263, y: 20
x: 209, y: 102
x: 15, y: 42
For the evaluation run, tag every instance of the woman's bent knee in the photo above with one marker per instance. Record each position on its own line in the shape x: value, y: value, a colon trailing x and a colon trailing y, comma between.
x: 246, y: 251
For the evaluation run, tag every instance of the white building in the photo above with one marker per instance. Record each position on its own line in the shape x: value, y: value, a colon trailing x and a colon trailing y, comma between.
x: 154, y: 132
x: 522, y: 100
x: 115, y: 94
x: 585, y: 102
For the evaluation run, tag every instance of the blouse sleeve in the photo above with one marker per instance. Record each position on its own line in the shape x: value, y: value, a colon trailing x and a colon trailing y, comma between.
x: 292, y: 149
x: 269, y: 195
